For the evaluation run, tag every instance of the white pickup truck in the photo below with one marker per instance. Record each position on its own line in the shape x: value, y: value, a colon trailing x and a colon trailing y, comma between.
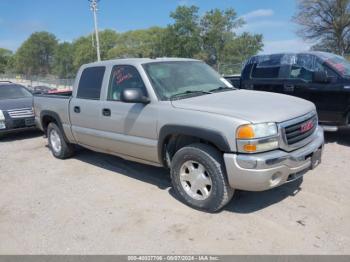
x: 180, y: 114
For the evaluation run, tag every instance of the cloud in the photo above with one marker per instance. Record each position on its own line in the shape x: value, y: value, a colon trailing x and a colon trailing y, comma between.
x: 258, y: 20
x: 259, y: 25
x: 281, y: 46
x: 258, y: 14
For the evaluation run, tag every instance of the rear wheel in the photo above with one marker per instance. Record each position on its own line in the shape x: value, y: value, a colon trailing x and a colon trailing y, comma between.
x: 59, y: 147
x: 199, y: 177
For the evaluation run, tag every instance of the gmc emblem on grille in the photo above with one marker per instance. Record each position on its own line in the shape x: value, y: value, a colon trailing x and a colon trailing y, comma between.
x: 307, y: 126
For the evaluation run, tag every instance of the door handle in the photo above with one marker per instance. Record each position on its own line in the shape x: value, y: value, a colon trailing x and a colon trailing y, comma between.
x: 288, y: 88
x: 106, y: 112
x: 77, y: 109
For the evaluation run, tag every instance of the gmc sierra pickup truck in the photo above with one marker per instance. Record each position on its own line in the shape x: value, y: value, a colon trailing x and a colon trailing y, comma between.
x: 180, y: 114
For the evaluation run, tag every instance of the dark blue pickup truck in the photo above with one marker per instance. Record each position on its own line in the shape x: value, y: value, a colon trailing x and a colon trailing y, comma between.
x: 322, y: 78
x: 16, y: 108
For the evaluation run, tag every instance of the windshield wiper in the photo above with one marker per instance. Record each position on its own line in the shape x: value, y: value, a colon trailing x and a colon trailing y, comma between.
x: 222, y: 88
x: 189, y: 92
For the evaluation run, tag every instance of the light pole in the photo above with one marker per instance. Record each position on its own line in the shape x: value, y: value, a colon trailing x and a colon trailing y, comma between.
x: 94, y: 9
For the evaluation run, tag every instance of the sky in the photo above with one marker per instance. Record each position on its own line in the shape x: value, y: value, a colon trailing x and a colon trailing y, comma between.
x: 69, y: 19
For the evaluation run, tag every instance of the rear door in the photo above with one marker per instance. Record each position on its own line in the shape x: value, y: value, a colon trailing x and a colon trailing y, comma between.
x: 265, y: 73
x: 85, y: 107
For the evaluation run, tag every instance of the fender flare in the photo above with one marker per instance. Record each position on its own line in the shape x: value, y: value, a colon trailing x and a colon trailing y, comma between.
x: 55, y: 116
x: 213, y: 136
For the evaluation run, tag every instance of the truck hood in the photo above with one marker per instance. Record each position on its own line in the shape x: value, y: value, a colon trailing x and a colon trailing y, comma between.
x: 8, y: 104
x: 252, y: 106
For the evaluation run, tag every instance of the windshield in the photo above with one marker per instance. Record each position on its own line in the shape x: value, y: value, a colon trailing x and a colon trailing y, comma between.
x: 13, y: 92
x: 338, y: 63
x: 184, y: 77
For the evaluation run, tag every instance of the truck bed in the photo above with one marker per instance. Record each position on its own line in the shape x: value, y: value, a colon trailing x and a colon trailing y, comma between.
x: 235, y: 80
x: 54, y: 103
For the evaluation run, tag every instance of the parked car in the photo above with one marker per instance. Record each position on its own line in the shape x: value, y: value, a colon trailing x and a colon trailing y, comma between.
x: 180, y: 114
x: 322, y: 78
x: 43, y: 89
x: 16, y: 108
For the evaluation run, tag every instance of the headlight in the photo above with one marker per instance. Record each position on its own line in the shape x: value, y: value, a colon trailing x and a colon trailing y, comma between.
x: 2, y: 120
x: 2, y: 117
x: 256, y: 138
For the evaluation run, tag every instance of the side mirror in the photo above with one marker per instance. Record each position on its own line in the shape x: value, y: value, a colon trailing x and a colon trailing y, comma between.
x: 320, y: 77
x: 133, y: 95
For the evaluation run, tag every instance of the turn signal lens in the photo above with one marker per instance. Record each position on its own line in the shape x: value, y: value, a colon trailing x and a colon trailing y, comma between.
x: 249, y: 148
x: 245, y: 132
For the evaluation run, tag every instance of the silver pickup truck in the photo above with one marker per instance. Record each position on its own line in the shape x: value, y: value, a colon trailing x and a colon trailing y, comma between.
x: 180, y: 114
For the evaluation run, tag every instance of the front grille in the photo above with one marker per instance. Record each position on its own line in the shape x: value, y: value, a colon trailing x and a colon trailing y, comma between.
x: 299, y: 131
x: 21, y: 123
x: 21, y: 113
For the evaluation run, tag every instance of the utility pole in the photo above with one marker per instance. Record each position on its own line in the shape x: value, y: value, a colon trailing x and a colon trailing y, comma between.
x: 94, y: 9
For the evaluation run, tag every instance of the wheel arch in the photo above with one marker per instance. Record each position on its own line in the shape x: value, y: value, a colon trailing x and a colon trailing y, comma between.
x: 47, y: 117
x: 174, y: 137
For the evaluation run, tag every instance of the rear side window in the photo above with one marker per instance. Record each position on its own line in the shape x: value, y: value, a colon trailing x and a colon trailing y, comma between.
x: 90, y: 83
x: 265, y: 72
x: 267, y: 66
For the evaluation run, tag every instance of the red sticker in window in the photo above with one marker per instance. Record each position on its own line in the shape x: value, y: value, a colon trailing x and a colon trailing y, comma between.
x: 121, y: 75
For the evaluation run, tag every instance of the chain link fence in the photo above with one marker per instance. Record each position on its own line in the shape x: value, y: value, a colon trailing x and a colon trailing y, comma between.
x: 31, y: 82
x: 53, y: 82
x: 230, y: 69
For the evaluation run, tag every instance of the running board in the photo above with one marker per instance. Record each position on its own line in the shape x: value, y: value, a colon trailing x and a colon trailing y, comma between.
x: 330, y: 128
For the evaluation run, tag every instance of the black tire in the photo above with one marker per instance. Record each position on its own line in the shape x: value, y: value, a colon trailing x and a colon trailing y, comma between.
x: 66, y: 149
x: 221, y: 193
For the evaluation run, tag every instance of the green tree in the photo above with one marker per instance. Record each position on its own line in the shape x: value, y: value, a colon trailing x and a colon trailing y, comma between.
x: 217, y: 30
x: 35, y: 56
x: 326, y: 22
x: 182, y: 39
x: 85, y: 47
x: 238, y: 50
x: 138, y: 43
x: 63, y: 60
x: 5, y: 56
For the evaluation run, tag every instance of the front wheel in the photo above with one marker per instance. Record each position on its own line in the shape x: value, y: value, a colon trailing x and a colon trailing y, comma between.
x: 199, y: 178
x: 59, y: 147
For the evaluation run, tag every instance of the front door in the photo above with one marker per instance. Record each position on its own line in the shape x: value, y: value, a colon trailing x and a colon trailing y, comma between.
x: 129, y: 128
x: 328, y: 97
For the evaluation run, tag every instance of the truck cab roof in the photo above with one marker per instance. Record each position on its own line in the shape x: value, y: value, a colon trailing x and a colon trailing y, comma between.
x: 137, y: 61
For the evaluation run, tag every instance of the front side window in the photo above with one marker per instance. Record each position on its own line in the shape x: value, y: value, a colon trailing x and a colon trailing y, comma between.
x: 304, y: 65
x: 338, y: 63
x: 90, y: 83
x: 13, y: 92
x: 176, y: 77
x: 124, y: 76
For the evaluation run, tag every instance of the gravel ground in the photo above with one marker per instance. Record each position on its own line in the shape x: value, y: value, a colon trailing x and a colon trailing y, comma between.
x: 100, y: 204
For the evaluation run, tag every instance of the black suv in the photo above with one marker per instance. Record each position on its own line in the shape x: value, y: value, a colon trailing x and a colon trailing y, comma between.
x: 322, y: 78
x: 16, y: 108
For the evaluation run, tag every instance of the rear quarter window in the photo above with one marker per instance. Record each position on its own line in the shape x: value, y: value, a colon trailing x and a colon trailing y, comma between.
x: 90, y: 83
x: 265, y: 72
x: 267, y: 66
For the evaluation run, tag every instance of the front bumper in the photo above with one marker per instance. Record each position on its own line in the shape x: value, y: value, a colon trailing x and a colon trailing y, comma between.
x: 18, y: 125
x: 263, y: 171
